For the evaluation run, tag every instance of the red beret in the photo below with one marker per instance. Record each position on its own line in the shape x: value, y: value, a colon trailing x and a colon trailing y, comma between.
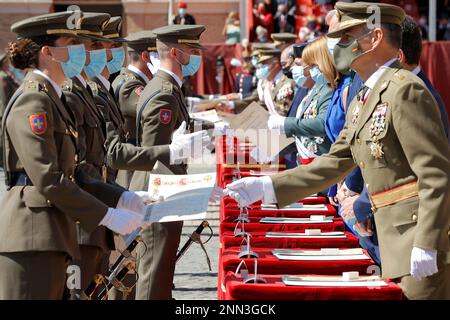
x: 182, y: 5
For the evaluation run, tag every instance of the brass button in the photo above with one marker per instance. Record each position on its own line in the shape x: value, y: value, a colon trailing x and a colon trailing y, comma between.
x: 77, y: 222
x: 358, y: 141
x: 367, y: 186
x: 414, y: 217
x: 76, y: 157
x: 361, y: 165
x: 48, y: 202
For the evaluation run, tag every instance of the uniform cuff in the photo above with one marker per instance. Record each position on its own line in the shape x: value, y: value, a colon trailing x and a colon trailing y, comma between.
x: 269, y: 193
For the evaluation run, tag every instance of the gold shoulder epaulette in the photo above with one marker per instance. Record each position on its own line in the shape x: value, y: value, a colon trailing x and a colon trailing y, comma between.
x: 67, y: 85
x: 32, y: 85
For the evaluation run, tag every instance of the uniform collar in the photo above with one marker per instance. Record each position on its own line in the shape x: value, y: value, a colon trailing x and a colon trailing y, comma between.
x: 173, y: 75
x: 139, y: 73
x: 104, y: 81
x: 81, y: 79
x: 373, y: 79
x: 53, y: 83
x: 416, y: 70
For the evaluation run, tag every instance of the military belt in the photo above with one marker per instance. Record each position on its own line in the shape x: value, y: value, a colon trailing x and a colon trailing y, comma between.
x: 20, y: 179
x: 394, y: 195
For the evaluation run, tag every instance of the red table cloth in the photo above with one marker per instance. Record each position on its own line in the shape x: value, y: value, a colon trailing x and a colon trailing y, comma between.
x: 254, y: 225
x: 229, y: 214
x: 259, y: 240
x: 269, y: 264
x: 275, y: 289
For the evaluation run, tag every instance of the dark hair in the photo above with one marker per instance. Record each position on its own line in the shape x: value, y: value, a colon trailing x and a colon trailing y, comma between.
x: 24, y: 53
x: 411, y: 41
x: 134, y: 56
x: 393, y: 34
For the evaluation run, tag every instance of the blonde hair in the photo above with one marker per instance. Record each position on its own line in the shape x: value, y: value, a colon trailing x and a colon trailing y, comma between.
x: 316, y: 53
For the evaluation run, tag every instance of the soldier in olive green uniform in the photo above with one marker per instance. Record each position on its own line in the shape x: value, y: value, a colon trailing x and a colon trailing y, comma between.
x: 8, y: 85
x: 393, y: 132
x: 43, y: 205
x: 161, y: 109
x: 283, y: 39
x: 96, y: 246
x: 130, y: 83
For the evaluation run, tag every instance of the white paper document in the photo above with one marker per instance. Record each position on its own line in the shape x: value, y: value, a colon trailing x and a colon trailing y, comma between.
x: 186, y: 197
x: 297, y: 207
x: 210, y: 115
x: 300, y: 235
x: 295, y: 220
x: 325, y: 254
x: 333, y: 281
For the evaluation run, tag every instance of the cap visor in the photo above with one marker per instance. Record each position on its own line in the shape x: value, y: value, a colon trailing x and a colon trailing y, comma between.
x: 342, y: 27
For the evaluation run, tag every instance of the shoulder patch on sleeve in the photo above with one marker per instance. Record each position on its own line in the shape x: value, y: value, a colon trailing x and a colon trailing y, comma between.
x: 139, y: 90
x: 38, y: 123
x: 165, y: 115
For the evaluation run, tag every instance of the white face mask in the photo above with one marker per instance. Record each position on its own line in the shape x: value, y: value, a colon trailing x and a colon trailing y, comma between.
x: 154, y: 63
x: 331, y: 42
x: 182, y: 12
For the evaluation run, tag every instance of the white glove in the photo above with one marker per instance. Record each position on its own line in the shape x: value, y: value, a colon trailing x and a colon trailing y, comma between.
x: 220, y: 128
x: 249, y: 190
x: 131, y: 201
x: 122, y: 221
x: 276, y: 122
x: 185, y: 146
x: 423, y: 263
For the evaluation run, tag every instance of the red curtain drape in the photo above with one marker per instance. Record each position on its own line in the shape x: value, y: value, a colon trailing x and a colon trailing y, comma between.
x: 435, y: 62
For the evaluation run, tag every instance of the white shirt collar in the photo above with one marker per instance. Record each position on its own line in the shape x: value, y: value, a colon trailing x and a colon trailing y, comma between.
x: 416, y: 70
x: 373, y: 79
x: 139, y: 72
x: 83, y: 82
x: 177, y: 78
x: 53, y: 83
x: 104, y: 81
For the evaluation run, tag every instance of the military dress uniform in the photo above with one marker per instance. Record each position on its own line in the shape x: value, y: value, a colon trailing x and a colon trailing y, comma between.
x: 8, y: 86
x: 161, y: 109
x: 38, y: 221
x: 128, y: 87
x: 95, y: 247
x: 308, y: 124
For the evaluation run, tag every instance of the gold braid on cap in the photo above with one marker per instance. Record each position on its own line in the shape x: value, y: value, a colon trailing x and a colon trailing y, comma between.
x: 70, y: 31
x: 188, y: 41
x: 109, y: 36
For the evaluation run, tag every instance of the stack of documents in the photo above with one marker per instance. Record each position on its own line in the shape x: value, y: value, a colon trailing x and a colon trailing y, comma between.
x: 311, y: 219
x: 297, y: 207
x: 324, y: 254
x: 308, y: 235
x: 333, y: 281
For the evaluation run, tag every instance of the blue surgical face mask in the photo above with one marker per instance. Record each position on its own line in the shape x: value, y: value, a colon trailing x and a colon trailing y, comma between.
x: 193, y: 65
x: 254, y: 61
x: 298, y: 75
x: 317, y: 76
x: 118, y: 57
x: 262, y: 72
x: 97, y: 63
x: 18, y: 74
x: 154, y: 63
x: 75, y: 63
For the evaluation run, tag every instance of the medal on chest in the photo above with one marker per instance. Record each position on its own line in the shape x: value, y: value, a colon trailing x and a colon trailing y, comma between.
x: 377, y: 126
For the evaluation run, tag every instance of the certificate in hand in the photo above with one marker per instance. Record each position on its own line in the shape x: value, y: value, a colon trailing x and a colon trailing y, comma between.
x: 251, y: 124
x: 186, y: 197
